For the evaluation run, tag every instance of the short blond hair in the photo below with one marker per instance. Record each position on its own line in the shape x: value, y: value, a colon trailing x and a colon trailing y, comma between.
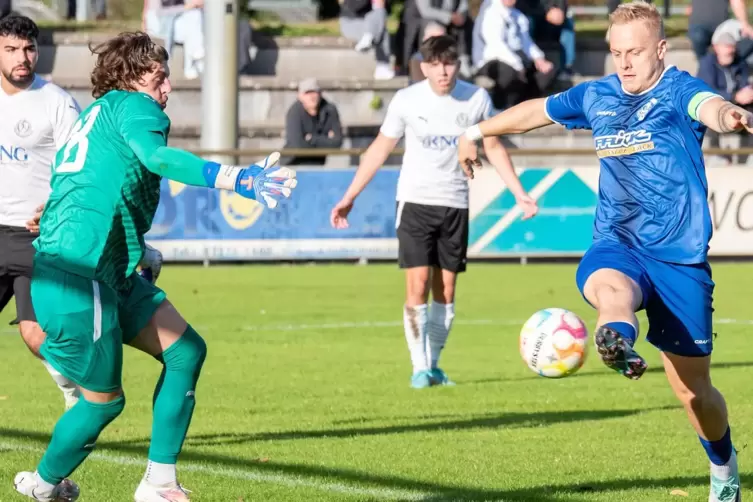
x: 638, y: 10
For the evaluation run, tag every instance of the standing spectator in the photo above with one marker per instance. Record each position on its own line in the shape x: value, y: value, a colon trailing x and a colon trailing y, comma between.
x: 5, y: 8
x: 452, y: 14
x: 312, y: 122
x: 707, y: 15
x: 550, y: 23
x: 415, y: 74
x: 511, y: 59
x: 365, y: 22
x: 728, y: 75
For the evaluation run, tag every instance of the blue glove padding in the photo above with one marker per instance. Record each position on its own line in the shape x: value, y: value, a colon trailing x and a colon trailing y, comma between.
x: 266, y: 182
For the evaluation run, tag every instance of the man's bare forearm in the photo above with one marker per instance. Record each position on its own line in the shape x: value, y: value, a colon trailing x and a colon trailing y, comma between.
x: 526, y: 116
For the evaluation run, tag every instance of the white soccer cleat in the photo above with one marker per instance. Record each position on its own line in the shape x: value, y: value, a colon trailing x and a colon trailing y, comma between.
x: 171, y: 492
x: 26, y: 484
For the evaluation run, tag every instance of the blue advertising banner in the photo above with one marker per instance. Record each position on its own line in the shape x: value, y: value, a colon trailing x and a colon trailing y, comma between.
x: 202, y: 224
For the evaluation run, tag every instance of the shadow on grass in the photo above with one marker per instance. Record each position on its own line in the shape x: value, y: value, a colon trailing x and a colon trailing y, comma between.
x: 411, y: 489
x: 603, y: 373
x: 486, y: 421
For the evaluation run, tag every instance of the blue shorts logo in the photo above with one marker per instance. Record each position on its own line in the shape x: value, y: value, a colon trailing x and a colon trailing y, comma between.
x: 623, y: 143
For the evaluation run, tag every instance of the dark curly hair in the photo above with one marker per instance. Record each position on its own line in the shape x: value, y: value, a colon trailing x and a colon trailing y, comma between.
x: 19, y: 27
x: 124, y: 60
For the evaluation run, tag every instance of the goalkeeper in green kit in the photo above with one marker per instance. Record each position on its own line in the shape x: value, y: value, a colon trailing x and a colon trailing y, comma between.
x: 85, y: 291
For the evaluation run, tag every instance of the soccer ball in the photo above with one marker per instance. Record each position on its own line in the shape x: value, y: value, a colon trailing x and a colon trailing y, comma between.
x: 553, y: 343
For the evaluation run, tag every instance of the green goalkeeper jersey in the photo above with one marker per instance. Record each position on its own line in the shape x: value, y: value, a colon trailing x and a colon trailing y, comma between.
x: 103, y: 195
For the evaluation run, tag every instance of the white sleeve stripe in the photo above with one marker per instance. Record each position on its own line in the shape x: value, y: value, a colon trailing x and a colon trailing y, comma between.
x: 546, y: 111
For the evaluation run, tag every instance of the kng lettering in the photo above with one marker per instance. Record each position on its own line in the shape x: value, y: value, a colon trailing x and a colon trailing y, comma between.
x: 439, y: 142
x: 10, y: 153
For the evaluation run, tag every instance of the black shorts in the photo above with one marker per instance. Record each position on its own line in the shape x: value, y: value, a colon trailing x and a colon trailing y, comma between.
x: 16, y: 262
x: 432, y: 236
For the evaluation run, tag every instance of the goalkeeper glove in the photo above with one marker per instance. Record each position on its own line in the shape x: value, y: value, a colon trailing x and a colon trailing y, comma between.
x: 265, y: 182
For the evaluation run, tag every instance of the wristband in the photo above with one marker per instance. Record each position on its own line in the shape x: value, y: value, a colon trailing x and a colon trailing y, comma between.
x: 474, y: 133
x: 221, y: 176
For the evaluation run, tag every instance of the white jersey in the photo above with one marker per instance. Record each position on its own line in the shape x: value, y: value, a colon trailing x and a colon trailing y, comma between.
x: 432, y: 125
x: 35, y: 123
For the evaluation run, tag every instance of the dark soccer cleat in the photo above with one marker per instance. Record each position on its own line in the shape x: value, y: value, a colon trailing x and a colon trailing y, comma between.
x: 617, y: 354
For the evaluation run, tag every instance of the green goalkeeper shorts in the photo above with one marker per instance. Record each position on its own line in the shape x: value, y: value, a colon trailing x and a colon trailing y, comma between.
x: 87, y: 323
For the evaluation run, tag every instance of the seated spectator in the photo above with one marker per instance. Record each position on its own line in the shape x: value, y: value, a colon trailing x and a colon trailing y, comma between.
x: 178, y: 22
x: 707, y: 15
x: 182, y: 22
x: 365, y: 22
x: 312, y: 122
x: 511, y: 59
x: 452, y: 14
x: 550, y: 23
x: 414, y: 67
x: 728, y: 75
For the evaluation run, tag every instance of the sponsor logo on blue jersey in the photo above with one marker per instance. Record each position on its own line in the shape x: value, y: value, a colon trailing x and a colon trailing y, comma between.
x: 11, y: 154
x: 623, y: 143
x: 439, y: 142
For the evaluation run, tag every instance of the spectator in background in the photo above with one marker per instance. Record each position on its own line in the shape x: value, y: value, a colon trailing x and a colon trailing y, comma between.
x: 415, y: 74
x: 365, y: 22
x: 727, y: 74
x: 178, y: 22
x: 511, y: 59
x: 182, y: 22
x: 550, y: 23
x: 452, y: 14
x: 99, y: 7
x: 312, y: 122
x: 707, y: 15
x: 5, y: 8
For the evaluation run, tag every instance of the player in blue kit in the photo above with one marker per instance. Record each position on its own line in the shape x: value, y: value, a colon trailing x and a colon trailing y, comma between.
x: 653, y: 224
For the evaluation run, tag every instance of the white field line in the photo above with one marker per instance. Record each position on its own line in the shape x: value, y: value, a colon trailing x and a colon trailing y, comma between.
x: 394, y: 324
x: 242, y: 475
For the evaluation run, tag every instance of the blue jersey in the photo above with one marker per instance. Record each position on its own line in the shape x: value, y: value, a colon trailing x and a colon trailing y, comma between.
x: 653, y: 193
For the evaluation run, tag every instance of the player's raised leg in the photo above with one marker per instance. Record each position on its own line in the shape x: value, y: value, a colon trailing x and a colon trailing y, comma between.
x: 84, y: 343
x: 173, y: 342
x: 415, y: 320
x: 441, y: 315
x: 613, y: 281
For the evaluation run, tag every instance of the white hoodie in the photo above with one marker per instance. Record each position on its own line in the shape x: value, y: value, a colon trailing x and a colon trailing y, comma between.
x: 505, y: 31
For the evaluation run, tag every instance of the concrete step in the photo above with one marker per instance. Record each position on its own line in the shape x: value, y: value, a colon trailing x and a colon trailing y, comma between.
x: 267, y: 99
x: 67, y: 55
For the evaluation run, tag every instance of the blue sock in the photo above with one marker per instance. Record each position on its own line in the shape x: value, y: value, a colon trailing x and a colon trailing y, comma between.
x: 720, y: 451
x: 625, y: 329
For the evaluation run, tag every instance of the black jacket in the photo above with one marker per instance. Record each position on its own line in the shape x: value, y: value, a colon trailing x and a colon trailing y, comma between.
x: 539, y: 8
x: 299, y: 124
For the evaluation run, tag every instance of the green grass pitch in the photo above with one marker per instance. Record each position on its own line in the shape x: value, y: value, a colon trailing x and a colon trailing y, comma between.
x: 305, y: 396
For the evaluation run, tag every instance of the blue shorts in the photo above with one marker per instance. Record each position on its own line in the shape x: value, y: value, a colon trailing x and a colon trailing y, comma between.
x: 677, y: 298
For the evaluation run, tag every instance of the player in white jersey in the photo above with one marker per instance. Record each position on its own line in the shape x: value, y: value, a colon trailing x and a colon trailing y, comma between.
x: 37, y: 117
x: 432, y: 196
